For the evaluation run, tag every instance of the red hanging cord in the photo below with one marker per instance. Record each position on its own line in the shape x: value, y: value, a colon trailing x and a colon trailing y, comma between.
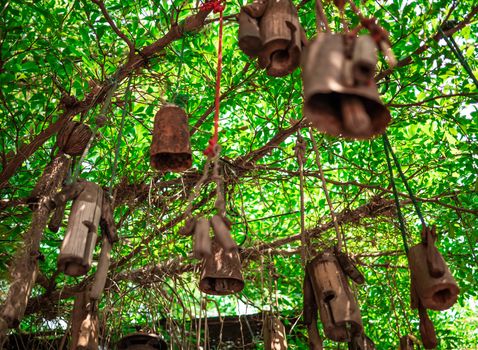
x: 216, y: 6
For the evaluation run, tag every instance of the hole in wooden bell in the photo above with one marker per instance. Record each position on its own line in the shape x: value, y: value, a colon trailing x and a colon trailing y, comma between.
x: 171, y: 148
x: 442, y: 296
x: 142, y: 341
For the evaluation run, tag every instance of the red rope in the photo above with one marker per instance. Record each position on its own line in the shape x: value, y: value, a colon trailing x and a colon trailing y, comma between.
x: 216, y: 6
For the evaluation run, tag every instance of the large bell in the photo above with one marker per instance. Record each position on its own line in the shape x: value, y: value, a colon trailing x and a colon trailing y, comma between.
x: 339, y: 312
x: 142, y: 341
x: 221, y: 272
x: 274, y: 333
x: 438, y: 292
x: 340, y: 94
x: 171, y: 147
x: 281, y: 38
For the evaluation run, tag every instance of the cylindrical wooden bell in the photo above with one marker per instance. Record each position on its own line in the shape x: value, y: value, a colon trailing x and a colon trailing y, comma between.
x: 337, y: 99
x: 202, y: 240
x: 221, y: 272
x: 142, y: 341
x: 436, y: 293
x: 249, y: 35
x: 338, y: 309
x: 171, y: 147
x: 274, y: 333
x: 280, y: 33
x: 223, y: 234
x: 73, y: 138
x: 76, y: 252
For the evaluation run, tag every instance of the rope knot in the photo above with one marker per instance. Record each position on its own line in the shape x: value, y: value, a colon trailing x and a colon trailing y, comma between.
x: 215, y: 5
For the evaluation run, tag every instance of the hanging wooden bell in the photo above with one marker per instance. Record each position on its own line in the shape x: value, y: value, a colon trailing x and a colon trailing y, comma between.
x: 338, y: 309
x: 221, y: 272
x: 340, y: 95
x: 142, y: 341
x: 171, y: 148
x: 274, y: 333
x: 73, y: 138
x: 431, y: 279
x: 349, y: 267
x: 202, y: 240
x: 249, y: 34
x: 76, y: 252
x: 281, y: 38
x: 222, y: 233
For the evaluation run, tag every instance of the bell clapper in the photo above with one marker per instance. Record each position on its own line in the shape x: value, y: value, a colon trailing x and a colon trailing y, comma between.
x: 355, y: 117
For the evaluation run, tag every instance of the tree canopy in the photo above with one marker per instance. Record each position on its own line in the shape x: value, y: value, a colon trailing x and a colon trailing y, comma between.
x: 63, y: 60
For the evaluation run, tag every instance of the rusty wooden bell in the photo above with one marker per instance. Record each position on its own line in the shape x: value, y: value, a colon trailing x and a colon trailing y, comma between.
x: 171, y: 147
x: 431, y: 279
x: 249, y: 34
x: 281, y: 38
x: 340, y: 95
x: 76, y: 252
x: 142, y: 341
x: 274, y: 333
x: 221, y: 272
x: 339, y: 312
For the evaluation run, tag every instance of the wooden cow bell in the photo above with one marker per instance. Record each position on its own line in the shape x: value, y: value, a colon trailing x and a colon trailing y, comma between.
x: 281, y: 38
x: 142, y: 341
x: 221, y: 272
x: 171, y: 147
x: 431, y: 279
x: 274, y: 333
x: 73, y: 138
x: 340, y: 95
x: 76, y: 252
x: 338, y: 309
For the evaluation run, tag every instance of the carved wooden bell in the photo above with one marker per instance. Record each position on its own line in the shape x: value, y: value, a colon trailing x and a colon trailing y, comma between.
x: 171, y: 147
x: 437, y: 292
x: 338, y: 309
x: 340, y: 95
x: 142, y: 341
x: 73, y: 138
x: 76, y: 252
x: 281, y: 38
x: 274, y: 333
x: 221, y: 272
x: 249, y: 34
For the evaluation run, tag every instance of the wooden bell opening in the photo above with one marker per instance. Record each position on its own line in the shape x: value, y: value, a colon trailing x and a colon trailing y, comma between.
x: 274, y: 333
x: 340, y: 94
x: 281, y: 38
x: 339, y: 312
x: 221, y: 272
x: 436, y: 292
x: 142, y: 341
x: 76, y: 252
x: 171, y: 147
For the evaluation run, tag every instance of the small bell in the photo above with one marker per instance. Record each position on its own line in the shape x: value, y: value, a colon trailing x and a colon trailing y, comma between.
x: 431, y: 279
x: 249, y: 35
x: 221, y: 272
x: 338, y: 309
x: 76, y: 252
x: 202, y: 240
x: 340, y: 95
x: 281, y: 38
x: 274, y: 333
x: 171, y: 148
x: 142, y: 341
x: 73, y: 138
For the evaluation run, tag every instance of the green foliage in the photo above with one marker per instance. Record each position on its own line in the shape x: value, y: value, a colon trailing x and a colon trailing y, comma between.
x: 57, y: 47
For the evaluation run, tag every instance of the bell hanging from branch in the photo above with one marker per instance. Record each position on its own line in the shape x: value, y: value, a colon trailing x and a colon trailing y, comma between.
x: 142, y: 341
x: 76, y: 252
x: 281, y: 38
x: 339, y: 312
x: 73, y: 138
x: 340, y: 94
x: 274, y: 333
x: 171, y: 147
x: 435, y: 287
x: 221, y: 272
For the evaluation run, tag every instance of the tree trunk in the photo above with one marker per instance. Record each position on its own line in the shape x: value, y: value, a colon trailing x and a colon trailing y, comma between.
x: 24, y: 268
